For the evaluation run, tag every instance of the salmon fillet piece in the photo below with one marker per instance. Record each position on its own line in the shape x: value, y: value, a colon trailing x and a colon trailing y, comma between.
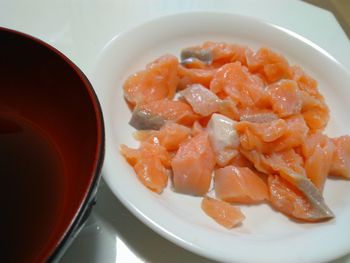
x: 158, y: 81
x: 341, y: 158
x: 239, y: 185
x: 151, y: 163
x: 170, y: 110
x: 223, y: 213
x: 193, y: 165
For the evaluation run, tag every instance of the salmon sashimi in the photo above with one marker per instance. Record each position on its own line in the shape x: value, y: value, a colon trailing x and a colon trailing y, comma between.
x: 169, y: 136
x: 305, y: 82
x: 193, y: 165
x: 236, y: 82
x: 225, y: 53
x: 146, y: 114
x: 269, y: 64
x: 275, y: 136
x: 318, y: 152
x: 202, y: 100
x: 150, y: 163
x: 266, y: 131
x: 223, y: 138
x: 289, y: 166
x: 239, y: 185
x: 222, y: 212
x: 316, y: 118
x: 229, y: 109
x: 172, y: 135
x: 240, y: 161
x: 314, y: 111
x: 341, y: 158
x: 290, y: 201
x: 146, y: 149
x: 244, y: 119
x: 285, y: 198
x: 152, y: 173
x: 216, y: 53
x: 188, y: 76
x: 285, y: 97
x: 158, y: 81
x: 314, y: 108
x: 288, y: 169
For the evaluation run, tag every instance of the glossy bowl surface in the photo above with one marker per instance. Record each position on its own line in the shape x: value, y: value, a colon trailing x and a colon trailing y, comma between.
x: 40, y: 84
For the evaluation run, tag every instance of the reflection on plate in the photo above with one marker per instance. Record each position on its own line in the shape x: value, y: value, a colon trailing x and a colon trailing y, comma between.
x: 265, y: 236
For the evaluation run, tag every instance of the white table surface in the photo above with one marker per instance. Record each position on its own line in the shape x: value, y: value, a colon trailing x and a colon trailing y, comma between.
x: 81, y: 28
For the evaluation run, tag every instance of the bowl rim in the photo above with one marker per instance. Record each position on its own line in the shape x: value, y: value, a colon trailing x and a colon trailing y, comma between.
x: 85, y: 206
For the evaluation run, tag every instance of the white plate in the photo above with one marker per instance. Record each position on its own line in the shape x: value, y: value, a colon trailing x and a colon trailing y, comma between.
x: 265, y: 236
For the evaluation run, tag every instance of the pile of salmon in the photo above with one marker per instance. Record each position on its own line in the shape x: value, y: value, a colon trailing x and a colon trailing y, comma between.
x: 234, y: 126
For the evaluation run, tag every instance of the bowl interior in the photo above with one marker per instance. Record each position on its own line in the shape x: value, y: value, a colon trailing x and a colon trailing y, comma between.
x: 40, y: 85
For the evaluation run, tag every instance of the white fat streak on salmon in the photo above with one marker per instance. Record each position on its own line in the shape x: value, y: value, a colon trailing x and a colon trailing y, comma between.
x: 223, y: 138
x: 259, y: 117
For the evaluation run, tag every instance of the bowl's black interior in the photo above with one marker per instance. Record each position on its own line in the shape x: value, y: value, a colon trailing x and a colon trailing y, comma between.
x: 40, y: 85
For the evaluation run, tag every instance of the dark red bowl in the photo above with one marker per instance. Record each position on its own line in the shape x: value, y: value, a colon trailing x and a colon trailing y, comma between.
x: 43, y: 86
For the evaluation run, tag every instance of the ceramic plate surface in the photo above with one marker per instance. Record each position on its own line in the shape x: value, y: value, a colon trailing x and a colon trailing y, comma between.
x: 265, y: 235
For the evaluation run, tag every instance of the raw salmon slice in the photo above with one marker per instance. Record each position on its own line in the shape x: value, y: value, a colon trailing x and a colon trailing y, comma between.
x: 316, y: 118
x: 305, y: 82
x: 224, y: 52
x: 240, y: 161
x: 315, y: 111
x: 266, y: 131
x: 229, y: 109
x: 288, y: 158
x: 239, y: 185
x: 271, y: 65
x: 188, y: 76
x: 146, y: 149
x: 169, y: 110
x: 152, y: 173
x: 202, y: 100
x: 217, y: 53
x: 341, y: 158
x: 285, y: 97
x: 318, y: 151
x: 158, y: 81
x: 222, y: 212
x: 169, y: 136
x: 274, y: 137
x: 149, y: 162
x: 236, y: 82
x: 193, y: 165
x: 288, y: 164
x: 172, y: 135
x: 290, y: 201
